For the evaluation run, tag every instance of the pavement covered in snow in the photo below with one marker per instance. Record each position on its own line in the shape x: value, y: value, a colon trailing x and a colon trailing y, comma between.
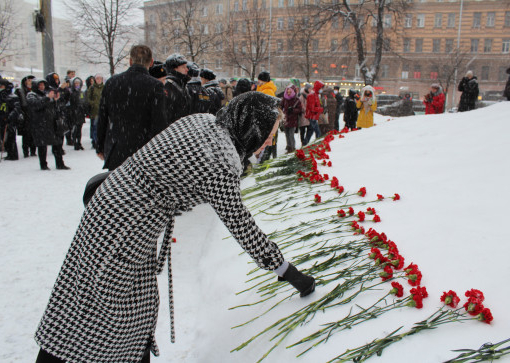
x: 451, y: 171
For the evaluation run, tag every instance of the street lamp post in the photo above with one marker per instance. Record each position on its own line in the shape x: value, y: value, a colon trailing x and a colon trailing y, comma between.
x: 457, y: 51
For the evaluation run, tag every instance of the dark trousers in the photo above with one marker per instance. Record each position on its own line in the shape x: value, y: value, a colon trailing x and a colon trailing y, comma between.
x: 9, y: 135
x: 76, y: 134
x: 27, y: 144
x: 45, y: 357
x: 42, y: 151
x: 302, y: 132
x: 314, y: 127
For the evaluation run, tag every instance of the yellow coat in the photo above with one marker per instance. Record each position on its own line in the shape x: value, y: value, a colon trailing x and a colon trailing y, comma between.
x: 366, y: 119
x: 268, y: 88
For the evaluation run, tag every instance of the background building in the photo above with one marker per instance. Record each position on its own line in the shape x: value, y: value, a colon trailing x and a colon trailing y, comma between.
x: 422, y: 45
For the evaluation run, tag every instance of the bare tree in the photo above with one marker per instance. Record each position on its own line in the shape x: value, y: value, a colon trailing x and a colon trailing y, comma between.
x: 306, y: 27
x: 105, y: 28
x: 246, y: 40
x: 362, y: 17
x: 7, y: 26
x: 186, y: 25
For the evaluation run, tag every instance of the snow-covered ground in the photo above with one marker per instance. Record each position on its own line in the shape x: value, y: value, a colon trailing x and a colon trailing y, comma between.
x: 451, y: 171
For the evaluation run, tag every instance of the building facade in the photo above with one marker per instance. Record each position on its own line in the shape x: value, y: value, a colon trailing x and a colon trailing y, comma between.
x: 423, y: 45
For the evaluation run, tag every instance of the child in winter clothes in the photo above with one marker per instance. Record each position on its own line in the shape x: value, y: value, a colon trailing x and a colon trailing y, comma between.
x: 350, y: 110
x: 367, y: 105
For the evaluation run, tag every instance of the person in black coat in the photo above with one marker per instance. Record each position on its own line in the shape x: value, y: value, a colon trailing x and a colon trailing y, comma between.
x: 200, y: 102
x: 339, y: 103
x: 350, y: 110
x: 469, y: 88
x: 28, y: 146
x: 62, y: 103
x: 177, y: 97
x: 76, y: 112
x: 131, y: 111
x: 43, y: 123
x: 9, y: 115
x: 242, y: 86
x: 213, y: 88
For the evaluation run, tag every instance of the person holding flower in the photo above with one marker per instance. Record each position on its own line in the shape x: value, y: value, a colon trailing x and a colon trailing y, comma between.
x: 367, y: 105
x: 104, y: 305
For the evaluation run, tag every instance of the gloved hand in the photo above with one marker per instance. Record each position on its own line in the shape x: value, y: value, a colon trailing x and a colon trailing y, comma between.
x: 303, y: 283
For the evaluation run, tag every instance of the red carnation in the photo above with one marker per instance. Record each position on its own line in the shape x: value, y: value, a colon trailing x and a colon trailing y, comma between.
x: 351, y: 211
x: 473, y: 306
x: 329, y: 163
x: 396, y: 197
x: 317, y: 198
x: 380, y: 197
x: 397, y: 290
x: 477, y: 294
x: 370, y: 210
x: 340, y: 189
x: 341, y: 213
x: 334, y: 182
x: 174, y: 240
x: 397, y: 262
x: 377, y: 218
x: 485, y: 316
x: 362, y: 191
x: 300, y: 154
x: 387, y: 273
x: 361, y: 216
x: 450, y: 298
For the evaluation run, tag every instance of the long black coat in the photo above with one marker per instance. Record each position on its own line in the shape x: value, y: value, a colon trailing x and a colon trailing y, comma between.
x: 77, y: 107
x: 131, y: 112
x: 43, y: 114
x: 469, y: 89
x: 177, y: 97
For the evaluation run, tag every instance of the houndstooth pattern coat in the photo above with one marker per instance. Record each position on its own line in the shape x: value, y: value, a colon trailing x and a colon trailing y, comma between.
x: 103, y: 307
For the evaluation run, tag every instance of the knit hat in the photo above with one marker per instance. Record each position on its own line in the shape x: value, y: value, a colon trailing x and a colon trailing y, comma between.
x: 193, y: 69
x: 249, y: 119
x: 158, y: 70
x: 264, y: 76
x: 207, y: 74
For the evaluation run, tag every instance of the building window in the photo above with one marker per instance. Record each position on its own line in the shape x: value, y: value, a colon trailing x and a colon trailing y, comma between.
x: 384, y: 70
x: 505, y: 46
x: 245, y: 5
x: 334, y: 45
x: 477, y: 19
x: 387, y: 21
x: 357, y: 71
x: 487, y: 46
x: 420, y: 20
x: 417, y: 72
x: 373, y: 45
x: 405, y: 71
x: 436, y: 45
x: 290, y: 24
x: 507, y: 18
x: 502, y: 76
x: 345, y: 45
x: 219, y: 45
x: 290, y: 45
x: 236, y: 6
x: 315, y: 45
x: 485, y: 73
x: 291, y: 3
x: 335, y: 22
x: 219, y: 28
x: 474, y: 45
x: 419, y: 45
x: 407, y: 45
x: 438, y: 20
x: 218, y: 63
x: 177, y: 48
x: 451, y: 20
x: 280, y: 3
x: 491, y: 19
x: 279, y: 24
x: 408, y: 21
x: 279, y: 45
x: 205, y: 29
x: 433, y: 75
x: 448, y: 45
x: 219, y: 8
x: 204, y: 11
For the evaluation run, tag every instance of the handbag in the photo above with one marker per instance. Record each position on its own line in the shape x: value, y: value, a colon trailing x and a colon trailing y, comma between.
x: 323, y: 117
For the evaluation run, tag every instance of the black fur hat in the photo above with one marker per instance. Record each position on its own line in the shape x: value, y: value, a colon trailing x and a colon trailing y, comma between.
x: 207, y: 74
x: 175, y: 60
x: 193, y: 69
x: 158, y: 70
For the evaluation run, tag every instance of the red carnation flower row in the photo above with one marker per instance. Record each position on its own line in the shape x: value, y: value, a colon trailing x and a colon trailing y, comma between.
x: 473, y: 306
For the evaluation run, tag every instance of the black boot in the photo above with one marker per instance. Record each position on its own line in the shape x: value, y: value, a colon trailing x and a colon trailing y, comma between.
x: 63, y: 167
x: 303, y: 283
x: 45, y: 167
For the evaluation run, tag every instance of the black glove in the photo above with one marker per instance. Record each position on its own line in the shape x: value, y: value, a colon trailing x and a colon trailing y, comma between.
x: 290, y: 109
x: 303, y: 283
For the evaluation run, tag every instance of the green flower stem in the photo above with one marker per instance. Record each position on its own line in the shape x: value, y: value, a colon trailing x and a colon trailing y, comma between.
x: 440, y: 317
x: 487, y: 352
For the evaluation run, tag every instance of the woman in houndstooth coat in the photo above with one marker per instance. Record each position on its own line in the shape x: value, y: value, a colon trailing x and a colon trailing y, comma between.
x: 103, y: 307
